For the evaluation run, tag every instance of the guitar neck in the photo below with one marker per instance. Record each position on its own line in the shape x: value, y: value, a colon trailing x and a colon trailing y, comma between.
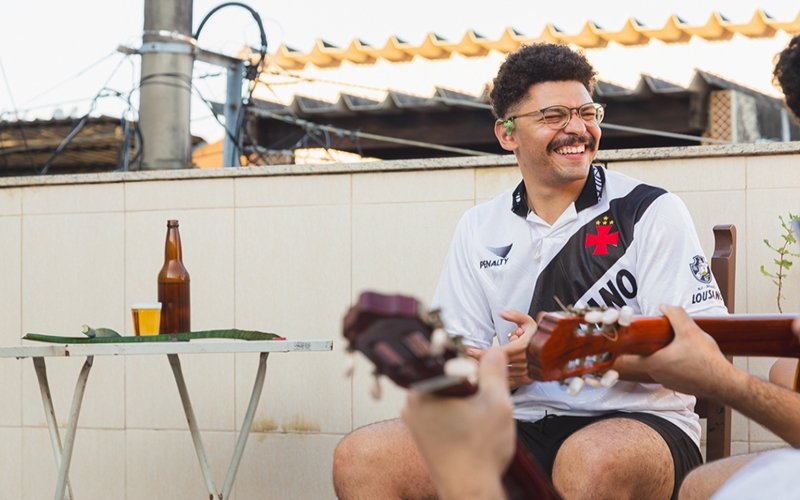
x: 736, y: 334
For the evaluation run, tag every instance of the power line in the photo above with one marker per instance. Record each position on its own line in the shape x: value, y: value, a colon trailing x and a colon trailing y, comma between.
x: 307, y: 125
x: 672, y: 135
x: 76, y: 75
x: 55, y: 104
x: 16, y: 115
x: 77, y: 128
x: 446, y: 100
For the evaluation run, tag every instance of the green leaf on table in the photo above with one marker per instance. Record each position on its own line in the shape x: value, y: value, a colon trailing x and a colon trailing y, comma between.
x: 104, y: 335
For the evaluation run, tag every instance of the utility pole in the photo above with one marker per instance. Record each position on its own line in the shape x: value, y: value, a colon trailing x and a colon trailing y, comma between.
x: 165, y: 93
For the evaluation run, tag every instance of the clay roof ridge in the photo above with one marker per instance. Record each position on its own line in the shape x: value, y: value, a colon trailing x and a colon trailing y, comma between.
x: 675, y: 30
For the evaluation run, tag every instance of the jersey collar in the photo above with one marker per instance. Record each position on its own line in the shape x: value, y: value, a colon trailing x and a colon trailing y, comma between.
x: 590, y: 194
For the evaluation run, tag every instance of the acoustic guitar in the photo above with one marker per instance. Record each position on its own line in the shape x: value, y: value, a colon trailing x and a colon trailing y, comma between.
x: 567, y: 345
x: 410, y: 347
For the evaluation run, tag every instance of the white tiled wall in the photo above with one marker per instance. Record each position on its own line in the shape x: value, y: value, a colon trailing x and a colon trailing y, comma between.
x: 10, y: 309
x: 285, y: 254
x: 11, y: 462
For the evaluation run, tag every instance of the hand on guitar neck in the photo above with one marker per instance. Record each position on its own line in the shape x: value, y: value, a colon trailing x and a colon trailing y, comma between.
x: 576, y: 343
x: 693, y: 363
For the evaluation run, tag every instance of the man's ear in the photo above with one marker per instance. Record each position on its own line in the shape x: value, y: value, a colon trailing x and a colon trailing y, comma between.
x: 504, y: 131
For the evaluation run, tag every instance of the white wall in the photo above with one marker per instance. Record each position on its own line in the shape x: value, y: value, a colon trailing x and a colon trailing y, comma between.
x: 284, y: 250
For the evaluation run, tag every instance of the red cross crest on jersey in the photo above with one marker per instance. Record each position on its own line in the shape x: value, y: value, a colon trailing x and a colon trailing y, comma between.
x: 603, y: 238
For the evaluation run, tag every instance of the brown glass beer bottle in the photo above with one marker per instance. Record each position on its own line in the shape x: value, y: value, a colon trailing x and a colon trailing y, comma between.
x: 173, y: 286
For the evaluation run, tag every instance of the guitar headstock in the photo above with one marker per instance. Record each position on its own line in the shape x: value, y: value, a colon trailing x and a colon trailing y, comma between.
x: 576, y: 343
x: 406, y: 344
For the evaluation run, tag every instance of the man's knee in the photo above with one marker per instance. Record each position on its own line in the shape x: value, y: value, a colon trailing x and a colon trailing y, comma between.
x: 616, y: 458
x: 380, y: 461
x: 351, y: 459
x: 696, y: 486
x: 783, y: 373
x: 342, y: 458
x: 583, y: 468
x: 705, y: 480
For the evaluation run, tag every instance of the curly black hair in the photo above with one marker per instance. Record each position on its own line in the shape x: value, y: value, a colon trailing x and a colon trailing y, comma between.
x: 787, y: 75
x: 537, y: 63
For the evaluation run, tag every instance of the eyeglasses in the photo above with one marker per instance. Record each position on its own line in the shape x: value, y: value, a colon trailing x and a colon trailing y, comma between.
x: 558, y: 117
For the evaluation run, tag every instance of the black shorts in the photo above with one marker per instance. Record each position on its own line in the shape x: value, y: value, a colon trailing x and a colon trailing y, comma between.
x: 544, y: 437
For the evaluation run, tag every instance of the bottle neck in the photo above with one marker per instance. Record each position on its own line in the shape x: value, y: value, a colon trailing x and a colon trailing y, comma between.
x: 172, y: 249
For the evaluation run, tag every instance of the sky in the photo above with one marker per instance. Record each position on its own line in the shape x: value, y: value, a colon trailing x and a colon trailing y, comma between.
x: 56, y: 55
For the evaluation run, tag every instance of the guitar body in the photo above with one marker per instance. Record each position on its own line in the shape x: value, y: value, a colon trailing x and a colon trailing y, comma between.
x: 395, y: 335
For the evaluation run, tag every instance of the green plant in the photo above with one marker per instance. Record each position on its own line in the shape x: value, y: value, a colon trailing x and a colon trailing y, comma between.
x: 782, y: 261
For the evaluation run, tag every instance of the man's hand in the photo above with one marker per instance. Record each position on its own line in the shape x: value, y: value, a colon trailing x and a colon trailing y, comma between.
x: 466, y: 443
x: 692, y: 363
x: 518, y: 340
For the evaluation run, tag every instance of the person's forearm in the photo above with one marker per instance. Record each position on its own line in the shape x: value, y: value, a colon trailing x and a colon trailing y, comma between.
x: 774, y: 407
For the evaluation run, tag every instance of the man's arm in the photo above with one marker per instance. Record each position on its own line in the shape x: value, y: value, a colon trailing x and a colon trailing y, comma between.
x: 466, y: 443
x: 692, y: 363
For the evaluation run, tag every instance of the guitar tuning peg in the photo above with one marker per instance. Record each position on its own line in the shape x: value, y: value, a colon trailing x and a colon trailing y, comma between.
x: 610, y: 316
x: 375, y: 388
x: 349, y: 365
x: 609, y: 378
x: 461, y: 368
x: 575, y: 386
x: 440, y: 340
x: 625, y: 315
x: 591, y: 381
x: 593, y: 317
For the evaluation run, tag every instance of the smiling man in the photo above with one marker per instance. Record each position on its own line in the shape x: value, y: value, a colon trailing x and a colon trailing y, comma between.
x: 572, y: 233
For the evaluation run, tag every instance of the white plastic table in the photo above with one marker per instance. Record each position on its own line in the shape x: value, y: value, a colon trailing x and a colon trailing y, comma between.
x: 172, y: 349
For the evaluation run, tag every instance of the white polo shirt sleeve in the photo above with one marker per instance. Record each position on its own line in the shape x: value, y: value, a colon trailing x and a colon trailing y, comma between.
x: 459, y: 294
x: 671, y: 266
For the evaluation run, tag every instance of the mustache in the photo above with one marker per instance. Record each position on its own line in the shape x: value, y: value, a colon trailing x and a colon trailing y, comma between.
x: 586, y: 139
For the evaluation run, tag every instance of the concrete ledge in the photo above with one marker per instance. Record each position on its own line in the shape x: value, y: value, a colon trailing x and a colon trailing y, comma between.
x: 770, y: 148
x: 616, y: 155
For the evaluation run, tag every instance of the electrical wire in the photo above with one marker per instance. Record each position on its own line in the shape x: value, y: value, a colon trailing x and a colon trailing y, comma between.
x: 480, y: 105
x: 76, y: 75
x: 314, y: 126
x: 305, y: 132
x: 77, y: 128
x: 672, y: 135
x: 445, y: 100
x: 256, y: 16
x: 252, y: 72
x: 104, y: 92
x: 205, y: 101
x: 2, y: 147
x: 16, y: 115
x: 355, y: 135
x: 53, y: 104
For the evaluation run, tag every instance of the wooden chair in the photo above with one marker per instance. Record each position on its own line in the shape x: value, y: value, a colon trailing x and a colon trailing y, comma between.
x: 717, y: 415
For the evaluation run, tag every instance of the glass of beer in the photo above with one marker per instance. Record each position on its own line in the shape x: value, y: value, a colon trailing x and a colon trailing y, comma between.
x: 146, y: 318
